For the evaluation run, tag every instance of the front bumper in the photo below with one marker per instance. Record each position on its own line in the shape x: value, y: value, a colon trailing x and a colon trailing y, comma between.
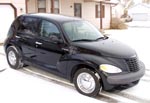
x: 120, y: 79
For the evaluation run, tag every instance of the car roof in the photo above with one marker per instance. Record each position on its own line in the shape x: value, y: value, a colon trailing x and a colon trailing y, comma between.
x: 54, y: 17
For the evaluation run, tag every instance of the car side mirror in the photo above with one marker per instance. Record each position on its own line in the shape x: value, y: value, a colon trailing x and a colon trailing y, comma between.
x: 55, y: 38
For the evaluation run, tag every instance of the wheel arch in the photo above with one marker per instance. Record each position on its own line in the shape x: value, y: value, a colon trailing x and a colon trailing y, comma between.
x: 19, y: 49
x: 80, y: 66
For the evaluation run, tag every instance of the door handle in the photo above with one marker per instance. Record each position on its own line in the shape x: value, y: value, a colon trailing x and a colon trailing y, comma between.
x: 18, y: 37
x: 65, y: 49
x: 38, y: 43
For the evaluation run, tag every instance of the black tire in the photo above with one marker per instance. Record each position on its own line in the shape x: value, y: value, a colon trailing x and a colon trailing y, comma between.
x: 18, y: 64
x: 96, y: 78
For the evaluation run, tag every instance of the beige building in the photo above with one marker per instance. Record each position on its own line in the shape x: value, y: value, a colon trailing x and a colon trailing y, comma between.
x: 97, y: 12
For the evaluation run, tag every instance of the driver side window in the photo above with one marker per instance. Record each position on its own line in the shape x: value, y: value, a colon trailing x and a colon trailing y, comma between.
x: 49, y: 29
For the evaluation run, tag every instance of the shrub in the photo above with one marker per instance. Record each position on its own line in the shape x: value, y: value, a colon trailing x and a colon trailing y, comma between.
x: 117, y: 23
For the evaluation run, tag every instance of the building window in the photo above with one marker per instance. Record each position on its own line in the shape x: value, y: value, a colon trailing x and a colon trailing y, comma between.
x: 77, y: 10
x: 42, y: 6
x: 56, y: 6
x: 99, y: 11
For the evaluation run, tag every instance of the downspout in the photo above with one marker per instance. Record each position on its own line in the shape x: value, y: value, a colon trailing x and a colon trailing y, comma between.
x: 52, y: 6
x: 26, y: 3
x: 101, y: 18
x: 110, y: 16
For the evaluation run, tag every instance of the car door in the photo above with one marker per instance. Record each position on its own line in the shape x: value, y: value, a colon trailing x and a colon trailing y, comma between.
x: 26, y: 36
x: 49, y: 51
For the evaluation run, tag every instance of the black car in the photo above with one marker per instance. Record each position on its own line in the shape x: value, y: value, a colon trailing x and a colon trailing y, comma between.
x: 73, y: 49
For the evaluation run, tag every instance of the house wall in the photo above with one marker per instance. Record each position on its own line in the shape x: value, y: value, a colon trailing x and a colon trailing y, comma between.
x: 88, y: 12
x: 107, y: 19
x: 32, y: 6
x: 19, y: 4
x: 67, y: 8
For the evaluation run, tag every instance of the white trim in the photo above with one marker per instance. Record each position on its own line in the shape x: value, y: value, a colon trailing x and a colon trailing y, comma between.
x: 59, y: 6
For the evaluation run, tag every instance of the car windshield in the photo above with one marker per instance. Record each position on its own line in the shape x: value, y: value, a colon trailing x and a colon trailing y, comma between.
x: 81, y: 31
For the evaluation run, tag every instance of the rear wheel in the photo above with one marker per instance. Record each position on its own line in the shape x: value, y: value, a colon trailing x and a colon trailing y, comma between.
x: 14, y: 59
x: 87, y: 82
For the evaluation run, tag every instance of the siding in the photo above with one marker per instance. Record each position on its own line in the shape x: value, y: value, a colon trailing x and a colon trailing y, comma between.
x: 107, y: 19
x: 32, y: 6
x: 88, y: 12
x: 67, y: 8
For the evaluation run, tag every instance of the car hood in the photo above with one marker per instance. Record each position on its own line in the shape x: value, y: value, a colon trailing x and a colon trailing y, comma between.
x: 108, y: 47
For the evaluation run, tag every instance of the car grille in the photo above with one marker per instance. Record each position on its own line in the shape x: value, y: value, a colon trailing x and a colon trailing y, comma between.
x: 133, y: 64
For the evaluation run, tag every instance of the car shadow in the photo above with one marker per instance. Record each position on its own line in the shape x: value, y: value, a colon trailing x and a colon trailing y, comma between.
x: 123, y: 87
x: 1, y: 70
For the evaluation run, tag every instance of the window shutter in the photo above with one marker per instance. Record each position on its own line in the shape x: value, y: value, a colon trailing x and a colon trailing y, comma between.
x: 96, y: 11
x: 103, y: 11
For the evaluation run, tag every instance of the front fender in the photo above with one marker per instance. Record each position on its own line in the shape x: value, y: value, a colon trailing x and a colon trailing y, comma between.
x: 93, y: 61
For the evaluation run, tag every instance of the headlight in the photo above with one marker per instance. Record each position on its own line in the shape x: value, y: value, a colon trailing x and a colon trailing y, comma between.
x: 110, y: 68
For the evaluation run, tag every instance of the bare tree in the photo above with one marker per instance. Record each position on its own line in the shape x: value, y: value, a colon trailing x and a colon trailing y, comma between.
x: 127, y: 4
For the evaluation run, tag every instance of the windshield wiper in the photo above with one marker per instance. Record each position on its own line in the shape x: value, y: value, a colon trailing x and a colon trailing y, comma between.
x: 82, y: 40
x: 104, y: 37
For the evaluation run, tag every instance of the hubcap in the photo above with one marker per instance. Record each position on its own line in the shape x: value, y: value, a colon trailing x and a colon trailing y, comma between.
x: 12, y: 58
x: 86, y: 82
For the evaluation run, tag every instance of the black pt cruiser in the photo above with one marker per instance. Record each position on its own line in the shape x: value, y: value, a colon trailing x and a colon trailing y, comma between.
x: 73, y: 49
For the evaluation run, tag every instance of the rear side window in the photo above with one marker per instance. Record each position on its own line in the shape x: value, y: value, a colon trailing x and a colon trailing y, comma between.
x: 29, y: 25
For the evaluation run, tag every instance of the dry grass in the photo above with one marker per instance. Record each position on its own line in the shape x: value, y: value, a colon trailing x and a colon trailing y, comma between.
x: 118, y: 24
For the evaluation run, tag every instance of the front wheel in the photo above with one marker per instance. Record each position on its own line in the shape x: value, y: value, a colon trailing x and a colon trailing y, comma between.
x: 87, y: 82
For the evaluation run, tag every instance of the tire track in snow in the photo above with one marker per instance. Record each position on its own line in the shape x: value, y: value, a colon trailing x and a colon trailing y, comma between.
x: 104, y: 96
x: 120, y: 97
x: 101, y: 97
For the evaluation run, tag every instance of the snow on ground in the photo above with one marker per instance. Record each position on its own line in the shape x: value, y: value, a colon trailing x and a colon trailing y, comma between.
x: 138, y: 24
x: 3, y: 63
x: 17, y: 86
x: 137, y: 38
